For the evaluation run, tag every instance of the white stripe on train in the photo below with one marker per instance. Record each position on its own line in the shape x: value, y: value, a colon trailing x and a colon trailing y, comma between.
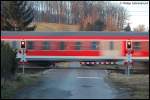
x: 85, y: 57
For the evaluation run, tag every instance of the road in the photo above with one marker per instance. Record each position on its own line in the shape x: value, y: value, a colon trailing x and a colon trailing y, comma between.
x: 69, y: 84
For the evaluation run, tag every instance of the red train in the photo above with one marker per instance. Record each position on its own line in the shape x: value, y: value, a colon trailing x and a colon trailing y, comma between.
x: 82, y: 46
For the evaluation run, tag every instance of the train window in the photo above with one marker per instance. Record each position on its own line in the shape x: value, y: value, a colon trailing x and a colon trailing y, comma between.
x: 136, y: 45
x: 62, y: 45
x: 78, y: 45
x: 111, y: 46
x: 30, y: 45
x: 14, y: 44
x: 94, y: 45
x: 46, y: 45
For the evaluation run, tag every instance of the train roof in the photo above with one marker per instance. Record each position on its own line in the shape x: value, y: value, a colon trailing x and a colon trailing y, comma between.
x: 78, y: 33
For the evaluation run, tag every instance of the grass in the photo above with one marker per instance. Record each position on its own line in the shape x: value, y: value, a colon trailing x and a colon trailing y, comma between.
x: 10, y: 87
x: 56, y: 27
x: 137, y: 85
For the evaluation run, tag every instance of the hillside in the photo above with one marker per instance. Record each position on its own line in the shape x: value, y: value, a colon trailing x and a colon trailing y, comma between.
x: 56, y: 27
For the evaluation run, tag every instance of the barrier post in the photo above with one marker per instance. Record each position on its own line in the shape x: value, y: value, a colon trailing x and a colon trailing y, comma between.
x: 23, y: 63
x: 129, y: 60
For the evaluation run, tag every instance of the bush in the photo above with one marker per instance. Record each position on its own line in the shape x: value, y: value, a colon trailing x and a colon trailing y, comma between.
x: 10, y: 88
x: 19, y: 78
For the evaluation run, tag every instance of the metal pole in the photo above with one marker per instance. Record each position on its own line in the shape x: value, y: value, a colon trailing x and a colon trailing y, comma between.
x: 129, y: 61
x: 23, y: 67
x: 23, y: 63
x: 128, y: 64
x: 128, y: 69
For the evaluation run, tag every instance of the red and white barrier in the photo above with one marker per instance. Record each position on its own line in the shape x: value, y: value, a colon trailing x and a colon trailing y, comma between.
x: 93, y: 63
x: 125, y: 63
x: 97, y: 63
x: 112, y: 63
x: 102, y: 62
x: 23, y: 62
x: 106, y: 62
x: 82, y: 63
x: 87, y: 62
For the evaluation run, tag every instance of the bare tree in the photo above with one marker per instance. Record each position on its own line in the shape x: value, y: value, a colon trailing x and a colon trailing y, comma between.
x: 140, y: 28
x: 81, y: 12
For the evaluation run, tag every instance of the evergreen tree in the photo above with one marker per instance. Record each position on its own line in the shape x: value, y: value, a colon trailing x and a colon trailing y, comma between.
x: 17, y: 15
x: 127, y: 28
x: 8, y: 61
x: 99, y: 26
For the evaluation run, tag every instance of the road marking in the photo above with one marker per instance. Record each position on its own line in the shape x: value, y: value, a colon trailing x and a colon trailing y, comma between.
x: 88, y: 77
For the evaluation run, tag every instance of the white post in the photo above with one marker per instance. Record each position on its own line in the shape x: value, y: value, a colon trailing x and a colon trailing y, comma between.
x: 129, y: 62
x: 23, y: 67
x: 23, y: 62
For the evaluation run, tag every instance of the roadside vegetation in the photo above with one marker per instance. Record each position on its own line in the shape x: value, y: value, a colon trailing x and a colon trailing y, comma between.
x: 8, y: 61
x: 11, y: 81
x: 136, y: 86
x: 10, y: 87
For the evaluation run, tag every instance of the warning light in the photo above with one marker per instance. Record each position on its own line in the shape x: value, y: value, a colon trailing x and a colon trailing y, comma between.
x: 22, y: 44
x: 128, y: 44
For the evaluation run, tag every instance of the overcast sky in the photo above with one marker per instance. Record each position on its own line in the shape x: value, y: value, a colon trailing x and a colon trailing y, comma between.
x: 138, y: 11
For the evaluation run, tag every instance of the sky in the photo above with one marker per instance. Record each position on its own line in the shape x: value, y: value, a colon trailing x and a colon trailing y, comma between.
x: 138, y: 12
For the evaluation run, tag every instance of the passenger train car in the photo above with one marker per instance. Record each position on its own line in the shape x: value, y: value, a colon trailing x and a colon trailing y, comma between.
x: 81, y: 46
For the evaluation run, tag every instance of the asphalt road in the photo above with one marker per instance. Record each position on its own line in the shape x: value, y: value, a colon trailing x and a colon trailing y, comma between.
x: 69, y: 84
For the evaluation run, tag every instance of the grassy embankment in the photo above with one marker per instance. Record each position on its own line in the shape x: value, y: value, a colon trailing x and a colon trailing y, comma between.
x: 56, y: 27
x: 10, y: 87
x: 137, y: 86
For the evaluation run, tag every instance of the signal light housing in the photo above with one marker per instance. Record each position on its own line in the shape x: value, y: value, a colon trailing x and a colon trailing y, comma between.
x: 129, y: 45
x: 23, y: 45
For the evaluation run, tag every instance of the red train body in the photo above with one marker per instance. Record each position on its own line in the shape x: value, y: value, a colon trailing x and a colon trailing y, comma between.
x: 81, y: 45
